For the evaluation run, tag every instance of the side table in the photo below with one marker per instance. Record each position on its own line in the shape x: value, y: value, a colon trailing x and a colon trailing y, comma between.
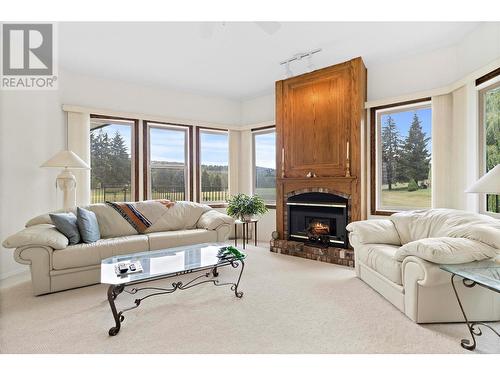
x: 246, y: 236
x: 484, y: 273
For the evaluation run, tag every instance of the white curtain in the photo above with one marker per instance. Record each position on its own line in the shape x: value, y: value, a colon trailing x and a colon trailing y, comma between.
x: 234, y: 161
x: 79, y: 143
x: 442, y: 120
x: 454, y: 150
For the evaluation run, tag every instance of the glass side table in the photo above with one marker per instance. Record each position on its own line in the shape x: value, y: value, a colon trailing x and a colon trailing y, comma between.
x: 484, y: 273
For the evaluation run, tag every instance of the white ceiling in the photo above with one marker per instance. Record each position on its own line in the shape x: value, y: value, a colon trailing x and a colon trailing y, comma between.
x: 239, y: 60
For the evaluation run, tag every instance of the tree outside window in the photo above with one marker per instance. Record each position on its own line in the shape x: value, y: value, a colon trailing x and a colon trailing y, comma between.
x: 404, y: 152
x: 111, y: 160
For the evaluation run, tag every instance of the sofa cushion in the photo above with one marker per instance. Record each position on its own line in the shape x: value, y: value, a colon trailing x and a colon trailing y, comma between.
x: 165, y: 240
x: 213, y: 219
x: 40, y: 234
x: 111, y: 223
x: 90, y: 254
x: 87, y: 225
x: 439, y: 222
x: 375, y: 231
x: 66, y: 223
x: 380, y: 258
x: 182, y: 215
x: 446, y: 250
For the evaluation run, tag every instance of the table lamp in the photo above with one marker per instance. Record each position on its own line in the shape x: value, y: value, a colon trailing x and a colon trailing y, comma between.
x: 66, y: 180
x: 488, y: 184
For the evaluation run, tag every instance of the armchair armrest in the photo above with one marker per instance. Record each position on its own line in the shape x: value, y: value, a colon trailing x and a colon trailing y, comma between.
x: 213, y: 219
x: 374, y: 231
x: 41, y: 235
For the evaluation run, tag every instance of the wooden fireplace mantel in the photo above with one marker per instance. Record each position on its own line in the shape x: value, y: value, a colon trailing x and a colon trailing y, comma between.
x: 320, y: 117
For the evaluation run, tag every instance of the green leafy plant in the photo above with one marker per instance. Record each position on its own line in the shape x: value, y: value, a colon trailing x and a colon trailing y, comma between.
x: 242, y: 206
x: 412, y: 185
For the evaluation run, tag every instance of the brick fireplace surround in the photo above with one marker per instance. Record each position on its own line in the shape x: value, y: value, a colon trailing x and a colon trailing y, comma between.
x: 344, y: 257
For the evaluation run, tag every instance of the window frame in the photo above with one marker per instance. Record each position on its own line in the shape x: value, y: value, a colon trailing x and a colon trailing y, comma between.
x: 485, y: 83
x: 134, y: 148
x: 188, y: 152
x: 259, y: 131
x: 376, y: 157
x: 205, y: 129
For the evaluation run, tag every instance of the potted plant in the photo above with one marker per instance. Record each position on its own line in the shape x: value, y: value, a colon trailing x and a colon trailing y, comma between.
x: 245, y: 207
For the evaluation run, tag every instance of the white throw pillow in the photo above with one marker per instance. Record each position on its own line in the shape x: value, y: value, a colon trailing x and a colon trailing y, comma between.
x: 446, y: 250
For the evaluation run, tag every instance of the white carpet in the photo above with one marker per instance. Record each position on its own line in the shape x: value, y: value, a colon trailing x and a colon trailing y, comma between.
x: 290, y: 305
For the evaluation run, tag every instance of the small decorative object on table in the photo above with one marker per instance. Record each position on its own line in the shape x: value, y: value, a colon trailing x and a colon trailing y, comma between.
x: 227, y: 252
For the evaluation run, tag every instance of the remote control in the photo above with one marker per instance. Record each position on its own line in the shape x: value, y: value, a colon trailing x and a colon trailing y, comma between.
x: 123, y: 268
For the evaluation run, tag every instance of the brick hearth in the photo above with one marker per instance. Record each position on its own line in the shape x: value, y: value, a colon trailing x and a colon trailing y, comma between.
x: 344, y: 257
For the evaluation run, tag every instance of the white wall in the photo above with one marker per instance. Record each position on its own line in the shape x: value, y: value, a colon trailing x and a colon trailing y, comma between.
x: 120, y: 96
x: 413, y: 74
x: 32, y: 129
x: 258, y: 110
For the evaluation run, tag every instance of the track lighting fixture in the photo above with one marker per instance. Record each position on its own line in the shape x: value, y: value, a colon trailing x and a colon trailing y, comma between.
x: 297, y: 57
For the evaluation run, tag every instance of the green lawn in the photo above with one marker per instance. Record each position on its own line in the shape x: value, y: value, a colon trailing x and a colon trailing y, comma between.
x: 401, y: 197
x: 268, y: 194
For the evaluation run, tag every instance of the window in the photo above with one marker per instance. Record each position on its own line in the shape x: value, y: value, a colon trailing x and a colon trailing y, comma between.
x: 489, y: 100
x: 401, y: 157
x: 168, y: 160
x: 264, y: 164
x: 213, y: 156
x: 113, y: 159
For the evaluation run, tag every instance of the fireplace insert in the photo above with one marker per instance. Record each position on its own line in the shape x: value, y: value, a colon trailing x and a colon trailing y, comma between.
x: 318, y: 219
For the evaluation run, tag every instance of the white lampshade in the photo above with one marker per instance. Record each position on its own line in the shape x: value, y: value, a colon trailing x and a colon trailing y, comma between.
x: 489, y: 183
x: 65, y: 159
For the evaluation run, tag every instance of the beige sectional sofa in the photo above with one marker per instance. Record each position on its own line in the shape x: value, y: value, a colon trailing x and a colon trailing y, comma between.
x: 400, y: 256
x: 55, y: 266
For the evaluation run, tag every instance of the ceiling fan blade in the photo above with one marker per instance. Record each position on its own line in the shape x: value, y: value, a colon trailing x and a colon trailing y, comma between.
x: 269, y: 27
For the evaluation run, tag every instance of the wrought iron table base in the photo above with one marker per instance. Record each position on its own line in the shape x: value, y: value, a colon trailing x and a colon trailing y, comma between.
x: 473, y: 328
x: 115, y: 290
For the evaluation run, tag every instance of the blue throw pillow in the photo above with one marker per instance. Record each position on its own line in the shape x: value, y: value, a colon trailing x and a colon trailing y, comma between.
x: 88, y: 226
x: 66, y: 224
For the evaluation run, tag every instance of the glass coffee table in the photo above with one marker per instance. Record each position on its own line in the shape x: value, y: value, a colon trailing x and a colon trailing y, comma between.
x: 162, y: 264
x: 484, y: 273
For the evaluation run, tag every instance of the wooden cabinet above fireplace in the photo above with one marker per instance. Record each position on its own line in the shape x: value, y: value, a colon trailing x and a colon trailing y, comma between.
x: 319, y: 119
x: 317, y: 115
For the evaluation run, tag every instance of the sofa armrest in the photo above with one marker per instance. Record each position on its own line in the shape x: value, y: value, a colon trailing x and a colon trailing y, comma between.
x: 374, y: 231
x: 417, y: 274
x: 422, y: 272
x: 213, y: 219
x: 39, y: 258
x: 41, y: 235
